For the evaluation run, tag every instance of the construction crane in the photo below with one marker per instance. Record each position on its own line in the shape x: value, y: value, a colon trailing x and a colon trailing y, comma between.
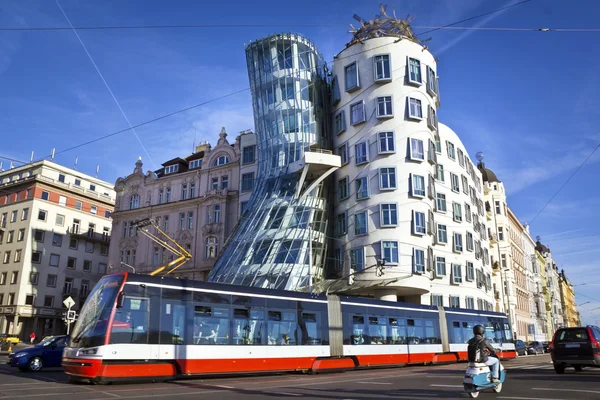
x: 166, y: 242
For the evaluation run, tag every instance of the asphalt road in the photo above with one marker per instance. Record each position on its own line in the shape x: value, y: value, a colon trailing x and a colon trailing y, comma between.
x: 528, y: 378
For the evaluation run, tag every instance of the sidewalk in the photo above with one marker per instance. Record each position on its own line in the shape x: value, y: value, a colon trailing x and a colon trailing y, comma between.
x: 17, y: 347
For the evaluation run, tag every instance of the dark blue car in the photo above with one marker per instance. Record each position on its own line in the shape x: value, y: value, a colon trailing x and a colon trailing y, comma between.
x: 46, y: 354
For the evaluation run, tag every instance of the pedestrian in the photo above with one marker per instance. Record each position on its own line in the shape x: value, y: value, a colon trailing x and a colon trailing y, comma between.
x: 32, y: 337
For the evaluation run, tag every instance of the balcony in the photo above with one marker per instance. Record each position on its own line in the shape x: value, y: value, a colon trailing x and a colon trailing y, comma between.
x: 90, y: 236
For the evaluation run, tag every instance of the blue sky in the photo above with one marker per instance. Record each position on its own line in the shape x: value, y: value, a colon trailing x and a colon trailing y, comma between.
x: 526, y: 99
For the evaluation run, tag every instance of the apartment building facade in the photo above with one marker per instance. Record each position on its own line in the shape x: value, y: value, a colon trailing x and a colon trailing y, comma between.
x: 196, y: 200
x: 569, y: 306
x: 55, y: 230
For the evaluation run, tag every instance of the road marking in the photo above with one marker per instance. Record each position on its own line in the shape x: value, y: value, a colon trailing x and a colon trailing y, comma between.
x: 21, y: 384
x: 452, y: 386
x: 375, y: 383
x: 223, y: 386
x: 285, y: 394
x: 110, y: 394
x: 567, y: 390
x: 527, y: 398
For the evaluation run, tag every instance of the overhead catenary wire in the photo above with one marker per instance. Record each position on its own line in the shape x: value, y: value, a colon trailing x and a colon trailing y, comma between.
x: 246, y: 89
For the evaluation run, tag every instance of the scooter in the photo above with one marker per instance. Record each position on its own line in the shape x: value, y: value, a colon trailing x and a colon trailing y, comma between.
x: 478, y: 377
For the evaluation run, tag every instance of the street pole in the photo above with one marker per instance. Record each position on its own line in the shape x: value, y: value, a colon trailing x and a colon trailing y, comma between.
x: 68, y: 321
x: 310, y: 258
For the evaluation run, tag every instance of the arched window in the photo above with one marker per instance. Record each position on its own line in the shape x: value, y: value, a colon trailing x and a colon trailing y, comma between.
x: 134, y: 201
x: 222, y: 160
x: 211, y: 247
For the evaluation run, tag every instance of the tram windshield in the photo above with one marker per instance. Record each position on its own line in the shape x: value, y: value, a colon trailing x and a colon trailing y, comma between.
x: 90, y: 329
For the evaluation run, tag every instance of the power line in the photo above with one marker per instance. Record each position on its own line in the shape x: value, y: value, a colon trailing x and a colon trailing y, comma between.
x: 246, y: 89
x: 566, y: 182
x: 105, y: 83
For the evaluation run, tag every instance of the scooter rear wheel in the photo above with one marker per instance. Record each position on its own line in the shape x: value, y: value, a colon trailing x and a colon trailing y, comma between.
x: 498, y: 388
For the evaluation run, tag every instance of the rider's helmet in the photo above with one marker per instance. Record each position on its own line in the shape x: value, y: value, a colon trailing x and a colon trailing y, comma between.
x: 478, y: 330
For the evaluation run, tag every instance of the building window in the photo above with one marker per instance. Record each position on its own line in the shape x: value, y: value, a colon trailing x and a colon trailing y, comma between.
x: 93, y: 210
x: 416, y: 150
x: 357, y: 259
x: 171, y: 169
x: 455, y: 182
x: 440, y: 266
x: 18, y: 255
x: 87, y: 265
x: 386, y: 143
x: 440, y: 202
x: 387, y: 178
x: 343, y: 151
x: 500, y: 233
x: 195, y: 164
x: 457, y: 212
x: 42, y: 215
x: 247, y: 182
x: 78, y: 205
x: 389, y: 214
x: 49, y: 301
x: 211, y: 247
x: 360, y: 223
x: 134, y: 202
x: 335, y: 90
x: 249, y: 154
x: 362, y: 188
x: 25, y: 214
x: 192, y: 190
x: 465, y: 184
x: 92, y: 188
x: 20, y: 235
x: 351, y: 77
x: 214, y: 183
x: 418, y: 223
x: 414, y: 71
x: 361, y: 153
x: 389, y: 251
x: 13, y: 216
x: 383, y: 71
x: 415, y: 109
x: 384, y: 107
x: 450, y: 147
x: 357, y: 113
x: 458, y: 245
x: 89, y: 247
x: 341, y: 224
x: 38, y: 235
x: 54, y: 260
x: 36, y: 257
x: 216, y: 213
x: 51, y: 281
x: 45, y: 195
x: 190, y: 220
x: 454, y: 301
x: 432, y: 121
x: 57, y: 240
x: 34, y: 277
x: 418, y: 261
x: 418, y: 186
x: 224, y: 182
x: 470, y: 271
x: 442, y: 234
x: 11, y: 236
x: 71, y: 263
x: 468, y: 213
x: 498, y: 209
x: 431, y: 81
x: 343, y: 188
x: 339, y: 122
x: 161, y: 193
x: 6, y: 257
x: 439, y: 173
x: 184, y: 191
x: 103, y: 250
x: 182, y: 221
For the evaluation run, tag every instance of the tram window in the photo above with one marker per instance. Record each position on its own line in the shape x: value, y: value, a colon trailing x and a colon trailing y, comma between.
x: 310, y: 329
x: 172, y: 317
x: 211, y: 325
x: 130, y: 324
x: 432, y: 332
x: 493, y: 331
x: 247, y: 326
x: 507, y: 333
x: 377, y: 330
x: 456, y: 333
x: 415, y: 331
x: 282, y: 328
x: 359, y: 333
x: 467, y: 328
x: 397, y: 331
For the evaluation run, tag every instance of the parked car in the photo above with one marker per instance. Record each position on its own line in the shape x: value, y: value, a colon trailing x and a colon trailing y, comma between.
x: 546, y: 349
x: 46, y: 354
x: 535, y: 347
x: 5, y: 338
x: 576, y: 347
x: 520, y: 348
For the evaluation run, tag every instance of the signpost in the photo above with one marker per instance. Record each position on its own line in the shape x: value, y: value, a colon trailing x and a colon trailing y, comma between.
x: 71, y: 315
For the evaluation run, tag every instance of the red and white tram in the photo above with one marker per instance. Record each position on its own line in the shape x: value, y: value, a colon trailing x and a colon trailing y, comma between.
x: 145, y: 327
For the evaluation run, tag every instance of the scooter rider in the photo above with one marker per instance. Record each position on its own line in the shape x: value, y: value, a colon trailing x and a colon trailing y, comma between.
x: 478, y: 351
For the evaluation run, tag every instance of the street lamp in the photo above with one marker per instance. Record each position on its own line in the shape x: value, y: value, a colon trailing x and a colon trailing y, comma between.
x: 127, y: 265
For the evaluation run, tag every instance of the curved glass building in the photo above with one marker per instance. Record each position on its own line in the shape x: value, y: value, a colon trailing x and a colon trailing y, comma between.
x: 286, y: 219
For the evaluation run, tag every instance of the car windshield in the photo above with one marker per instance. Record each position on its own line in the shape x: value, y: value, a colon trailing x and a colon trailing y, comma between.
x: 90, y: 329
x: 47, y: 341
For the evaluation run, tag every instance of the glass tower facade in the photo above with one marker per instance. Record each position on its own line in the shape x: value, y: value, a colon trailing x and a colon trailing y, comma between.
x: 286, y: 219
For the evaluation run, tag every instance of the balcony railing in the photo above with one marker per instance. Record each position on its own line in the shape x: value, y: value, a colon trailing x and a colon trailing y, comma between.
x: 89, y: 235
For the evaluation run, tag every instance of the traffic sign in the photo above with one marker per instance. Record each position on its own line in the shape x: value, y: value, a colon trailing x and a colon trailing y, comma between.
x: 71, y: 315
x: 69, y: 302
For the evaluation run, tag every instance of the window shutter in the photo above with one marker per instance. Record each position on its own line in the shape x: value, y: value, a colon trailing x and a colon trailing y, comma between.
x: 430, y: 259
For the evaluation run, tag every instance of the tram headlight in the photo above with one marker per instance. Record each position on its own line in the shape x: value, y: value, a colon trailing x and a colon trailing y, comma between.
x: 87, y: 352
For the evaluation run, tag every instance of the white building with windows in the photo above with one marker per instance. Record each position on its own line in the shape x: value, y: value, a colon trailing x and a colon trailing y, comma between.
x: 55, y: 232
x: 407, y: 192
x: 197, y: 200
